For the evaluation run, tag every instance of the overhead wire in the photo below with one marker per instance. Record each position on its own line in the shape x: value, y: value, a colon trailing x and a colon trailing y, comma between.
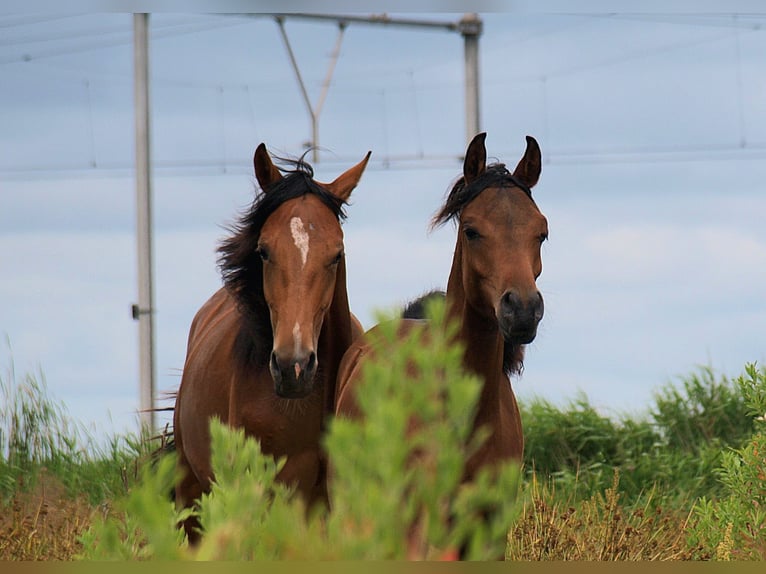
x: 702, y: 20
x: 612, y: 155
x: 118, y: 39
x: 14, y: 21
x: 47, y: 36
x: 754, y: 151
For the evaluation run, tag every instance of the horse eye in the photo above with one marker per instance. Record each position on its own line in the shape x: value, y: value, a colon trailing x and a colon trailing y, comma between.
x: 337, y: 258
x: 263, y: 253
x: 471, y: 234
x: 543, y: 237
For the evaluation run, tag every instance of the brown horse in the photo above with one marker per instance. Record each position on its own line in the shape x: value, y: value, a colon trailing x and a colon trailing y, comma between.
x: 491, y: 294
x: 263, y: 351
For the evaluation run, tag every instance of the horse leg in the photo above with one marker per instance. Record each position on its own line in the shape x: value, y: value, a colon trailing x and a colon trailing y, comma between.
x: 188, y: 491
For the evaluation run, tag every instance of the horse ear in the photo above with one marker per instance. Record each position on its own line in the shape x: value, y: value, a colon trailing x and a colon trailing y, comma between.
x: 528, y: 170
x: 265, y: 171
x: 475, y: 162
x: 345, y: 183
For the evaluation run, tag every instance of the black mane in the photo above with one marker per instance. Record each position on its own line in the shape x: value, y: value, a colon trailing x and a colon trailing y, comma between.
x: 241, y: 266
x: 416, y: 309
x: 496, y: 175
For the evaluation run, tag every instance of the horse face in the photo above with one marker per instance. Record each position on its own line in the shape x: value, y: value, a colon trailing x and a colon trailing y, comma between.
x: 301, y: 248
x: 501, y: 232
x: 301, y: 245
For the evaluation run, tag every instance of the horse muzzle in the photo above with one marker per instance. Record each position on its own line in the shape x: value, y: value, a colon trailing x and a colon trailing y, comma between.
x: 519, y: 317
x: 294, y: 375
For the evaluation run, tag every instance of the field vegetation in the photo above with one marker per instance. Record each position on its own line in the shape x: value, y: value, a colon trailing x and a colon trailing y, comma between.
x: 684, y: 481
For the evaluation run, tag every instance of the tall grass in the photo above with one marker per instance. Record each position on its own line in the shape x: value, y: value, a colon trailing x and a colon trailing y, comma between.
x: 37, y: 435
x: 675, y: 448
x: 54, y: 475
x: 600, y: 527
x: 685, y: 480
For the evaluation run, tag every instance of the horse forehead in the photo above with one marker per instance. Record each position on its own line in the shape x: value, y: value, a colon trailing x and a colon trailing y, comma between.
x: 509, y: 206
x: 302, y: 219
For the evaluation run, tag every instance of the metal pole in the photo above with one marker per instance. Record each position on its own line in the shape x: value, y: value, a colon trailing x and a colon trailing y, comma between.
x: 330, y: 69
x: 306, y: 99
x: 470, y: 28
x: 313, y: 113
x: 144, y: 311
x: 384, y: 19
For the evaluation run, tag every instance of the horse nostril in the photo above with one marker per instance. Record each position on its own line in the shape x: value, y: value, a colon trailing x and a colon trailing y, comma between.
x: 276, y: 372
x: 311, y: 362
x: 510, y: 302
x: 539, y: 306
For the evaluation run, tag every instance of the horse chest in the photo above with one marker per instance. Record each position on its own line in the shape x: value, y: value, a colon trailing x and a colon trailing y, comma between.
x: 282, y: 426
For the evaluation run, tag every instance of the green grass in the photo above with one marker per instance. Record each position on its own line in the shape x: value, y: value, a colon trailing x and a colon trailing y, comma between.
x: 684, y: 481
x: 675, y: 448
x: 38, y: 435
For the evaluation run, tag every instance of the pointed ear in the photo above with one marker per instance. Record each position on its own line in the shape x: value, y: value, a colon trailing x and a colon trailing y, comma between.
x: 345, y: 183
x: 528, y: 170
x: 475, y: 162
x: 265, y: 172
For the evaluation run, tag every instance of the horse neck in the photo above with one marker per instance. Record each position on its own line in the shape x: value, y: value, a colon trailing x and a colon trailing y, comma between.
x: 335, y: 337
x: 481, y: 339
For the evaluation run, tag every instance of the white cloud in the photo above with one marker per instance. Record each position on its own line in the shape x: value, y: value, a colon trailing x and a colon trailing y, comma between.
x: 691, y: 258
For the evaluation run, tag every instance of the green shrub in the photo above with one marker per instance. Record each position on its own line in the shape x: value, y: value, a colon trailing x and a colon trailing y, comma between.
x: 572, y: 437
x: 579, y: 449
x: 735, y: 525
x: 705, y: 410
x: 396, y: 484
x: 673, y: 451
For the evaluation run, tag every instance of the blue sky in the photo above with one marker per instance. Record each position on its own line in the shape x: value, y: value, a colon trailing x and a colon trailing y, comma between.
x: 653, y: 133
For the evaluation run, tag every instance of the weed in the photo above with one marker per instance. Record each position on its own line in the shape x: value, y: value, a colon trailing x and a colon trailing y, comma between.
x: 597, y: 528
x: 735, y: 524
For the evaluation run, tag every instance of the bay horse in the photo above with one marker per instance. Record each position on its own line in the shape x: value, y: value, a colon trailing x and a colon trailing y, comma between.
x: 263, y: 351
x: 491, y: 294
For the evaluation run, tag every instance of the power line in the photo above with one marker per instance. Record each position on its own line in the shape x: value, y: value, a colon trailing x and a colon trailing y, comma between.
x: 78, y: 34
x: 191, y: 28
x: 637, y: 55
x: 583, y: 20
x: 120, y: 39
x: 63, y: 35
x: 660, y: 154
x: 409, y: 162
x: 725, y: 152
x: 16, y: 21
x: 701, y: 20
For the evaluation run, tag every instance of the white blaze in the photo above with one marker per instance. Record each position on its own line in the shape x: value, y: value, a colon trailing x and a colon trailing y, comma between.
x: 300, y: 237
x: 297, y: 338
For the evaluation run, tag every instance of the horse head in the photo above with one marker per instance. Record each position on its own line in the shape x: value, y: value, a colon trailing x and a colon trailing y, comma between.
x: 500, y: 233
x: 282, y: 264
